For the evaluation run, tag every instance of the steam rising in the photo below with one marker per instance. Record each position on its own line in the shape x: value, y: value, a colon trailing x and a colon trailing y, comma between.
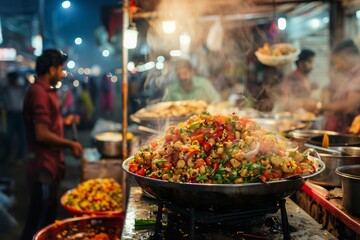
x: 196, y: 19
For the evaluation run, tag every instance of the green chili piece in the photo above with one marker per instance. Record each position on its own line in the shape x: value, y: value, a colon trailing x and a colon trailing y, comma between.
x: 144, y: 222
x: 157, y: 161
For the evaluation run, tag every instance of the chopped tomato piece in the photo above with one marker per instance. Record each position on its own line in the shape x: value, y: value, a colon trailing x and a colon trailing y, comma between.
x: 206, y: 146
x: 207, y: 160
x: 192, y: 153
x: 263, y: 178
x: 199, y: 162
x: 197, y: 137
x: 133, y: 167
x: 167, y: 165
x: 141, y: 172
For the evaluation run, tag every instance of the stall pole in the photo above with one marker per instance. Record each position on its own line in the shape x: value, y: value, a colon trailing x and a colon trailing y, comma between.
x: 124, y: 89
x: 42, y: 21
x: 336, y: 25
x: 125, y: 86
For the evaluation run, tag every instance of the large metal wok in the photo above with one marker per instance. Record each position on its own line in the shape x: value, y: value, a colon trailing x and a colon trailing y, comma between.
x: 221, y: 196
x: 158, y: 115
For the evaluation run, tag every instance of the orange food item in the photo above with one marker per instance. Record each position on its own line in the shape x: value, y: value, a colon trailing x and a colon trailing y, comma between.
x: 325, y: 141
x: 100, y: 236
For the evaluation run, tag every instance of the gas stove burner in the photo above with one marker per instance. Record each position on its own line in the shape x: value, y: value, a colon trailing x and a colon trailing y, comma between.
x: 192, y: 222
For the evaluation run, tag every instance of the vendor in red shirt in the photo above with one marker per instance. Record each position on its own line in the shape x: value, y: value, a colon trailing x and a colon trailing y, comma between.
x: 45, y: 141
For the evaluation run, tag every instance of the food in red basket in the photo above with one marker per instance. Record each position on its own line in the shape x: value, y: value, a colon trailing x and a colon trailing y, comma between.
x: 220, y: 149
x: 95, y: 195
x: 83, y: 236
x: 85, y: 227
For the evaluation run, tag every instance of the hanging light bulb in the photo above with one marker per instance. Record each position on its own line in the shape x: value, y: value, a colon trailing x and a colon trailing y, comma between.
x: 281, y: 23
x: 185, y: 41
x: 169, y: 26
x: 130, y: 37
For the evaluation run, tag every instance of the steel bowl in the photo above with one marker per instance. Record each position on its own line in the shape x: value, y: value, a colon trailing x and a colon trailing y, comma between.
x: 109, y: 144
x: 328, y: 177
x: 221, y: 196
x: 350, y: 185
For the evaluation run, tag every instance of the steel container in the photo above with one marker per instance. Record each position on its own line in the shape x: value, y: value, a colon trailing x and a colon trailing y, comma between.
x: 328, y: 177
x: 109, y: 144
x: 350, y: 185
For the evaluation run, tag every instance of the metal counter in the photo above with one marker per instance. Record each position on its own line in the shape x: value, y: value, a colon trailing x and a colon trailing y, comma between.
x: 141, y: 207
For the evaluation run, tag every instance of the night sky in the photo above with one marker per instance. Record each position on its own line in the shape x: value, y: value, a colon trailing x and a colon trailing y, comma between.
x: 80, y: 20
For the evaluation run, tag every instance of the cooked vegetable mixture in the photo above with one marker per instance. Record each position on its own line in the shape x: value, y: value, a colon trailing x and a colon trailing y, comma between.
x: 100, y: 194
x: 221, y: 149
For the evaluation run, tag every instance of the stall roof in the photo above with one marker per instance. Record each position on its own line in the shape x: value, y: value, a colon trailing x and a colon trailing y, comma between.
x: 256, y: 8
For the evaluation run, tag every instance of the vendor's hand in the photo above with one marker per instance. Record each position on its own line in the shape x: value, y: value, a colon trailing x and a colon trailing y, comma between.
x: 77, y: 149
x: 310, y: 106
x: 72, y: 118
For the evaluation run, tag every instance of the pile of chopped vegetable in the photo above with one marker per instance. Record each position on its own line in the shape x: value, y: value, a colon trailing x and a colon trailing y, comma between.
x: 100, y: 194
x: 221, y: 149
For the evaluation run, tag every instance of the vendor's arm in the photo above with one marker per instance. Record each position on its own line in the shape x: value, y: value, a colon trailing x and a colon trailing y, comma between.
x: 44, y: 135
x: 348, y: 105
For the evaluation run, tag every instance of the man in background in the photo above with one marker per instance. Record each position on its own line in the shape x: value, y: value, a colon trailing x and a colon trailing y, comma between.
x: 14, y: 96
x: 189, y: 86
x: 342, y: 103
x: 45, y: 141
x: 296, y: 86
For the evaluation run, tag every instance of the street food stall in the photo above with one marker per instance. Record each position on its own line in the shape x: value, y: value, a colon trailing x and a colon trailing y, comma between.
x: 198, y: 170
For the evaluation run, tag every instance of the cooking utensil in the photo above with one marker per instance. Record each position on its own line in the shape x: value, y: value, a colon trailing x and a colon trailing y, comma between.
x: 109, y: 144
x: 328, y: 150
x: 74, y: 131
x: 328, y: 177
x: 350, y: 185
x: 229, y: 196
x: 82, y: 227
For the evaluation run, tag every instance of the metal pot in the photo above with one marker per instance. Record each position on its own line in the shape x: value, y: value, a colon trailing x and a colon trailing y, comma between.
x: 328, y: 177
x: 350, y: 185
x: 109, y: 144
x: 220, y: 196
